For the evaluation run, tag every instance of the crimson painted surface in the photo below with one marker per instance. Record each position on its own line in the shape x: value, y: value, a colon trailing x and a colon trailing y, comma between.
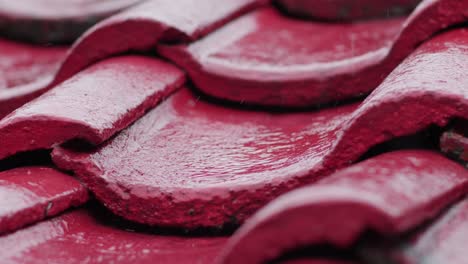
x: 347, y: 9
x: 48, y: 21
x: 93, y: 105
x: 30, y: 194
x: 189, y: 163
x: 80, y: 237
x: 389, y: 194
x: 25, y: 71
x: 136, y: 29
x: 444, y: 241
x: 141, y: 27
x: 264, y: 58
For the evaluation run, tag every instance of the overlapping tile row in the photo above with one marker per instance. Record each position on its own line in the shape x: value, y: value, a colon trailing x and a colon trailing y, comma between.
x: 389, y: 194
x: 140, y: 28
x: 92, y: 105
x: 265, y: 58
x: 191, y: 163
x: 136, y: 29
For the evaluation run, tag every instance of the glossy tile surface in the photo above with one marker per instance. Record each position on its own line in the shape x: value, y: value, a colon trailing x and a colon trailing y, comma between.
x: 190, y: 163
x: 172, y: 160
x: 93, y: 105
x: 30, y: 194
x: 389, y: 194
x: 140, y: 28
x: 181, y: 163
x: 80, y: 237
x: 134, y: 29
x: 264, y: 58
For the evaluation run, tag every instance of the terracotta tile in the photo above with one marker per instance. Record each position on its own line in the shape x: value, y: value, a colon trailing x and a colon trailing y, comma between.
x: 389, y: 194
x: 265, y: 58
x: 80, y: 237
x: 45, y: 21
x: 25, y: 71
x: 141, y: 27
x: 30, y: 194
x: 93, y: 105
x: 191, y: 163
x: 347, y: 10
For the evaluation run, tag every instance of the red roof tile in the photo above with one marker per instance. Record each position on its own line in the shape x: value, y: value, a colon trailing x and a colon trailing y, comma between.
x: 93, y: 105
x: 390, y: 194
x: 30, y: 194
x: 143, y: 26
x: 185, y: 162
x: 264, y: 58
x: 80, y: 237
x: 198, y: 161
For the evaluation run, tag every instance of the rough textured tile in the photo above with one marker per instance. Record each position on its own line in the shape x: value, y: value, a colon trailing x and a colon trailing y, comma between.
x: 30, y: 194
x: 92, y: 105
x: 182, y: 162
x: 191, y: 163
x: 141, y: 27
x: 136, y: 29
x: 46, y: 21
x: 79, y: 237
x: 389, y: 194
x: 25, y: 71
x: 347, y: 9
x: 265, y: 58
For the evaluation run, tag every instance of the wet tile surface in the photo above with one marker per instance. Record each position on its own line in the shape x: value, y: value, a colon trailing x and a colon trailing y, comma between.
x: 209, y: 155
x: 80, y: 237
x: 93, y: 105
x: 390, y: 194
x: 264, y: 58
x: 190, y: 119
x: 30, y: 194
